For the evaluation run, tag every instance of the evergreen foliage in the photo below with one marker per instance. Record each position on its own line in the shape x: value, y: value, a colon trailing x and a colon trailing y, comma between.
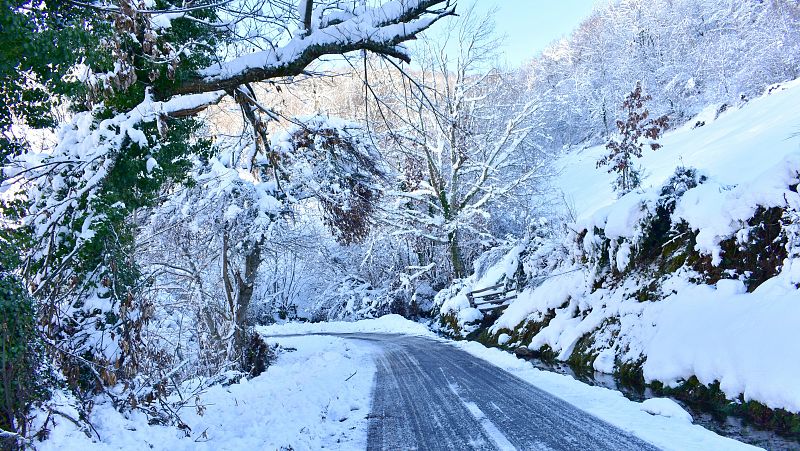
x: 22, y: 382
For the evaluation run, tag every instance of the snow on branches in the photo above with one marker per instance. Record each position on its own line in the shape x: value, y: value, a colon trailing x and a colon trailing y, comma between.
x: 238, y: 210
x: 335, y: 28
x: 80, y: 194
x: 335, y: 162
x: 64, y: 184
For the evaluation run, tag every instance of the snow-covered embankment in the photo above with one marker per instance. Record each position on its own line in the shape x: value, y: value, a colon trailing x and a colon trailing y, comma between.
x: 693, y: 277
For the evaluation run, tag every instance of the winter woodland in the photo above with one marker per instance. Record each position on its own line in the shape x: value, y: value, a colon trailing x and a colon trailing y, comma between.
x: 175, y: 174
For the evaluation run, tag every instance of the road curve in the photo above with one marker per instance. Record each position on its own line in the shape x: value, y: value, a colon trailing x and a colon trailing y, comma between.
x: 429, y: 395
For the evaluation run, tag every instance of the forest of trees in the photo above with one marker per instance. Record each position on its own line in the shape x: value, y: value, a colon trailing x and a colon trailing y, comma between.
x: 177, y: 172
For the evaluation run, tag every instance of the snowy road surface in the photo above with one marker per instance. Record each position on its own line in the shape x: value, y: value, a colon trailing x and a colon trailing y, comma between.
x: 432, y: 396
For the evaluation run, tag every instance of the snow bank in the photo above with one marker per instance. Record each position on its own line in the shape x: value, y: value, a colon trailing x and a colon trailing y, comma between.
x: 666, y: 408
x: 316, y: 397
x: 656, y: 421
x: 551, y: 294
x: 717, y: 212
x: 713, y: 209
x: 744, y: 341
x: 717, y: 333
x: 389, y: 324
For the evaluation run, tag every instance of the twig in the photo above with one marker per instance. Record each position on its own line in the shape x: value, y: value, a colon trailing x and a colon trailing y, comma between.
x: 351, y: 376
x: 204, y: 436
x: 78, y: 423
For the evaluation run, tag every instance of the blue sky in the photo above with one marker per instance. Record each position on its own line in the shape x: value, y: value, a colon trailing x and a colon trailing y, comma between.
x: 529, y: 25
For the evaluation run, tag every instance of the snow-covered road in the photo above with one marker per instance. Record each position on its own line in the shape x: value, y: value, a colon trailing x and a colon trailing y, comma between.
x: 432, y: 393
x: 432, y: 396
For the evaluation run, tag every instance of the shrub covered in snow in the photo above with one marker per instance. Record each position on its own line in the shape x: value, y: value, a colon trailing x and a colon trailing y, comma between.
x: 351, y: 299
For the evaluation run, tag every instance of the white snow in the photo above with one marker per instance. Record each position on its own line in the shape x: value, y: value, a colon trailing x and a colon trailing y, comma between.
x: 666, y: 408
x: 716, y: 212
x: 735, y: 147
x: 388, y: 324
x: 344, y: 27
x: 503, y: 339
x: 552, y: 293
x: 314, y: 397
x: 151, y: 164
x: 717, y: 333
x: 482, y: 278
x: 741, y: 340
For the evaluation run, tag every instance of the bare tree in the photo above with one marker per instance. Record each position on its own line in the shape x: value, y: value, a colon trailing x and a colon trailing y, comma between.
x: 463, y: 137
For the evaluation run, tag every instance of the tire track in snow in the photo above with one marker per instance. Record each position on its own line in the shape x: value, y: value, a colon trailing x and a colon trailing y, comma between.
x: 432, y: 396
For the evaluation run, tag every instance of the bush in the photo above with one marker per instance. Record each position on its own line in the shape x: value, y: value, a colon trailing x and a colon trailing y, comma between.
x: 257, y: 355
x: 20, y: 356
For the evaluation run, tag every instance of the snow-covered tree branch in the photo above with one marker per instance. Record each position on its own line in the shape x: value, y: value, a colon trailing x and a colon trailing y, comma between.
x: 336, y: 29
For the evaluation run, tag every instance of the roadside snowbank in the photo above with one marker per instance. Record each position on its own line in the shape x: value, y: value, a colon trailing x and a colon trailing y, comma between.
x: 388, y: 324
x: 291, y: 406
x: 657, y: 421
x: 744, y: 341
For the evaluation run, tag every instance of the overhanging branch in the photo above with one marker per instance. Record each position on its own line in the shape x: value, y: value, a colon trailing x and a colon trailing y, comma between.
x: 381, y: 36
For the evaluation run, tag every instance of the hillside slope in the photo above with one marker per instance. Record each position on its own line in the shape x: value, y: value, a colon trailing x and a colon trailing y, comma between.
x: 736, y: 147
x: 689, y: 282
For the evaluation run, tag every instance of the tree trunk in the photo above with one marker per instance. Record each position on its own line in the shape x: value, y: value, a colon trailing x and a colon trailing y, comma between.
x: 245, y: 287
x: 455, y: 255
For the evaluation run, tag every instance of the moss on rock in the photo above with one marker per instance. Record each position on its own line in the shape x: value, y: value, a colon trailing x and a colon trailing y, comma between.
x: 711, y: 399
x: 582, y: 358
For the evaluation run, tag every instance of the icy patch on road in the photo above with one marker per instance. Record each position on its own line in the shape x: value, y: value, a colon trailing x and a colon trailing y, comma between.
x: 668, y: 432
x: 389, y: 324
x: 315, y: 397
